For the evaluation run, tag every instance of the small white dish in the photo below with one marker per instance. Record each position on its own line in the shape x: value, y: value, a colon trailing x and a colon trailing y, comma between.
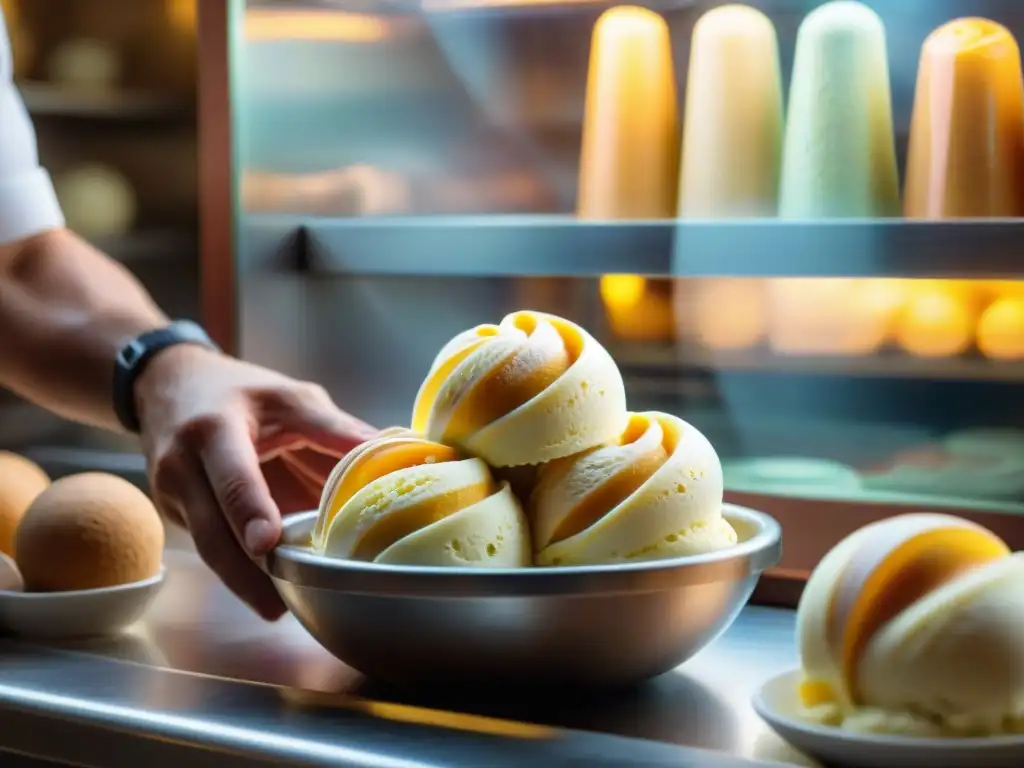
x: 777, y: 703
x: 10, y: 576
x: 84, y: 613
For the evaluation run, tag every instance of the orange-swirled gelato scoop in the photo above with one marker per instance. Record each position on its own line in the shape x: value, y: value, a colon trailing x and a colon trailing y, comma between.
x: 915, y: 624
x: 402, y: 499
x: 655, y: 491
x: 532, y: 389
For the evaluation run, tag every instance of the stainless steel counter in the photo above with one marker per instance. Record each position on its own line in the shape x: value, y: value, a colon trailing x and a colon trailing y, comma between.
x: 203, y: 680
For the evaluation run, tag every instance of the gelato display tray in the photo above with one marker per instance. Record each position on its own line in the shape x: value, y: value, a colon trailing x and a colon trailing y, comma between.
x: 202, y: 680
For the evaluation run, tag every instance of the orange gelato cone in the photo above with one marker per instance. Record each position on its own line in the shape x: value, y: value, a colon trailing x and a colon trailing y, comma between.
x: 629, y: 162
x: 630, y: 158
x: 966, y: 155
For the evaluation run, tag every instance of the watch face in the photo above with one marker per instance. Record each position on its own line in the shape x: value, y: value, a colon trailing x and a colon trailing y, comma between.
x: 131, y: 352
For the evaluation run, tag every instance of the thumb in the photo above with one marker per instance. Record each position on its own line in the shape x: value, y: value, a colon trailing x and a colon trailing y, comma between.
x: 233, y: 469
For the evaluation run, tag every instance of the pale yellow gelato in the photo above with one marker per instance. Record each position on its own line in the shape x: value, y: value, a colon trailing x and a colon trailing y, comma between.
x: 914, y: 625
x: 532, y: 389
x: 402, y: 499
x: 655, y: 491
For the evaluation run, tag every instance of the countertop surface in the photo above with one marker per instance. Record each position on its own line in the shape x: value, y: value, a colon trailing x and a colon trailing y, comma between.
x: 202, y: 679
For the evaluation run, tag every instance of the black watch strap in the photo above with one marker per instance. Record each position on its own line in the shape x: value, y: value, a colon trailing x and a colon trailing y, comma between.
x: 136, y: 355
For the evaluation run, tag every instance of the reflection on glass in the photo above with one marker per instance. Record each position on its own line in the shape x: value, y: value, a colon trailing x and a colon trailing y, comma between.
x: 722, y: 314
x: 263, y: 24
x: 358, y: 190
x: 812, y: 316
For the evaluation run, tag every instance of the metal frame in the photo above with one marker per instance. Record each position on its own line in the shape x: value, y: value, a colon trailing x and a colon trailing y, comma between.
x: 218, y: 210
x: 558, y: 246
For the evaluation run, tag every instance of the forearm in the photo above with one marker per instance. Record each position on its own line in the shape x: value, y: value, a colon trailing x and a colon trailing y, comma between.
x: 65, y: 312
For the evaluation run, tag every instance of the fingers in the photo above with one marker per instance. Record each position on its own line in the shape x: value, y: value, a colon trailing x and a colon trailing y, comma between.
x: 215, y: 541
x: 233, y: 469
x: 305, y: 412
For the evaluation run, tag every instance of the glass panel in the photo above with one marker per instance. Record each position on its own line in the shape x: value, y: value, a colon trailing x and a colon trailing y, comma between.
x: 877, y: 388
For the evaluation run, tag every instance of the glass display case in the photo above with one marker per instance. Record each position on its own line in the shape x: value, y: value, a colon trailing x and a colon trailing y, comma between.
x: 795, y: 224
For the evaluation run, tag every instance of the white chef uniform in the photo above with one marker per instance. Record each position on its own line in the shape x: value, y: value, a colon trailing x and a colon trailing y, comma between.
x: 28, y: 204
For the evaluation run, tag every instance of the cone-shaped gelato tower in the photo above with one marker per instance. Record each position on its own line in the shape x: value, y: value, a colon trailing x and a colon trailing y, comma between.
x: 732, y: 139
x: 839, y: 156
x: 966, y: 154
x: 629, y: 160
x: 629, y: 163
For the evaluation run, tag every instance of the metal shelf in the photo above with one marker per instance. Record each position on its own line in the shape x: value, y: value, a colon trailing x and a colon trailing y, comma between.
x: 563, y: 246
x: 660, y: 360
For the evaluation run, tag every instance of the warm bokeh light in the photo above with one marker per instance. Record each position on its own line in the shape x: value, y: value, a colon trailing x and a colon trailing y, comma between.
x: 182, y: 14
x: 451, y: 5
x: 727, y: 314
x: 263, y: 25
x: 998, y: 289
x: 621, y: 293
x: 938, y: 319
x: 1001, y: 330
x: 830, y: 316
x: 12, y: 11
x: 638, y: 309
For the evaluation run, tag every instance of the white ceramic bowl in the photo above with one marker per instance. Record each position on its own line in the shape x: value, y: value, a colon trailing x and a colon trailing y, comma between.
x: 778, y: 704
x: 83, y: 613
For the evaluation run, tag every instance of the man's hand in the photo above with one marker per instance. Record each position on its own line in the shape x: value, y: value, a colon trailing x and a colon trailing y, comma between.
x: 208, y: 423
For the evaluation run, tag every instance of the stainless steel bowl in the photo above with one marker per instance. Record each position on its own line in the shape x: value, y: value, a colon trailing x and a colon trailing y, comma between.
x: 602, y: 625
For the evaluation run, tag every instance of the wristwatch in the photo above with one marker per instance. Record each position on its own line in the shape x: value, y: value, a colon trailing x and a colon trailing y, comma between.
x: 137, y: 354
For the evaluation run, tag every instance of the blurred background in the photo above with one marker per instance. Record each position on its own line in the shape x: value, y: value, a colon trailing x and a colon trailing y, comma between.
x: 363, y: 119
x: 111, y: 86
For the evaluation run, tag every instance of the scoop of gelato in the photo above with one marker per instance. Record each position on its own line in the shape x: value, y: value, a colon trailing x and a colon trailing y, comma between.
x: 655, y: 491
x: 402, y: 499
x: 916, y: 619
x: 532, y: 389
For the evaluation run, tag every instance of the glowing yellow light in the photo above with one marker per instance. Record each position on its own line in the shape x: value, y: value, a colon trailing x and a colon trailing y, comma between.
x: 938, y: 320
x: 1001, y: 330
x: 182, y: 14
x: 622, y: 292
x: 450, y: 5
x: 12, y: 12
x: 315, y: 25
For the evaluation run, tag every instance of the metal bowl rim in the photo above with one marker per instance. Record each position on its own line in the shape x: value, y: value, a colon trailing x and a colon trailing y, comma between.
x: 297, y: 565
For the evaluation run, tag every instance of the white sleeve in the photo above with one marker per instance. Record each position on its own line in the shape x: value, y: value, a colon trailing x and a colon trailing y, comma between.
x: 28, y: 204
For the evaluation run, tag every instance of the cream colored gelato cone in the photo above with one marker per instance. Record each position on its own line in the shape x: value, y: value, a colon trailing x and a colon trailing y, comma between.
x: 732, y: 137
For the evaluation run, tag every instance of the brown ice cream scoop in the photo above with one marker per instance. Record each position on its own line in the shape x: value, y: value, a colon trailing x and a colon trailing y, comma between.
x: 89, y: 531
x: 21, y: 481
